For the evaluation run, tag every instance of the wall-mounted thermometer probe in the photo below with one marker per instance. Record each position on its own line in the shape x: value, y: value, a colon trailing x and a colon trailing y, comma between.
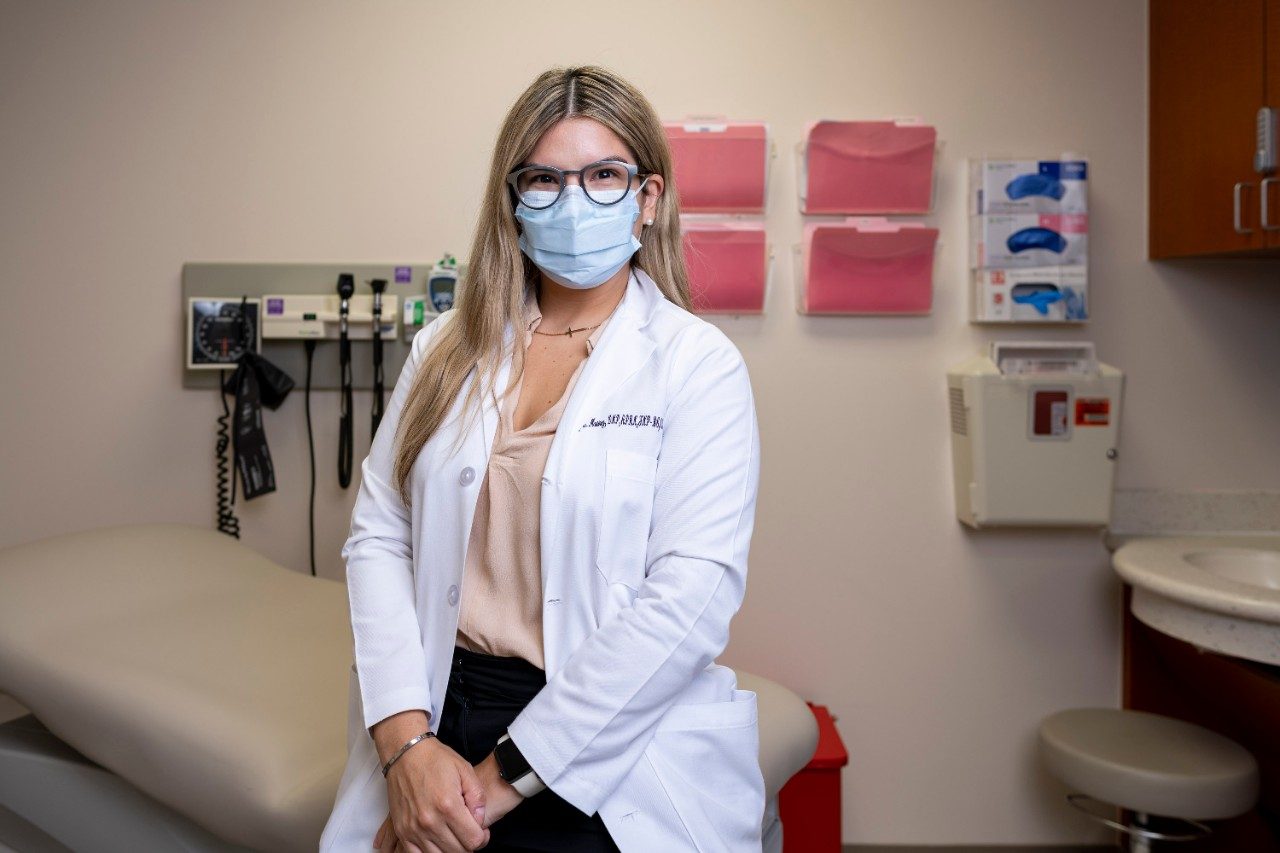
x: 346, y: 287
x: 379, y: 285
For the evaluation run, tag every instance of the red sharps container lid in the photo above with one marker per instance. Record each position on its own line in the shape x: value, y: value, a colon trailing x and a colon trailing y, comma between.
x: 830, y: 751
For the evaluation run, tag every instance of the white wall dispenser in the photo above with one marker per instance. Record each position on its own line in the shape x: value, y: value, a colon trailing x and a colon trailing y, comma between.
x: 1033, y: 435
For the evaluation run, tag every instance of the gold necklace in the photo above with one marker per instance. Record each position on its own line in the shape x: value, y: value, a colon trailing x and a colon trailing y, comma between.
x: 569, y: 332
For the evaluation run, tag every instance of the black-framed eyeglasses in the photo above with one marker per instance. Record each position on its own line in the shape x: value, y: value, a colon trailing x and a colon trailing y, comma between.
x: 604, y: 182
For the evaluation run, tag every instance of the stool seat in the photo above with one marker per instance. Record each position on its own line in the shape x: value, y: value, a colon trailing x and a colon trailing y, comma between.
x: 1149, y: 763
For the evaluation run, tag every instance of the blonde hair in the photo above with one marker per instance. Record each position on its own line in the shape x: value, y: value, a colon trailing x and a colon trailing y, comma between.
x: 491, y: 296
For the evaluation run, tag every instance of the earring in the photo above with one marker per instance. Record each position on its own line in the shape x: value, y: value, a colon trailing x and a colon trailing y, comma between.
x: 648, y: 222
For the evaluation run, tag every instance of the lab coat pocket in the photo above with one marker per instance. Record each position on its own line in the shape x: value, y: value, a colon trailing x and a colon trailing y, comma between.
x: 625, y: 515
x: 708, y: 759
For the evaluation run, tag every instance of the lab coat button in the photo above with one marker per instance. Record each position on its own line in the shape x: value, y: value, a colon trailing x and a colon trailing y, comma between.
x: 468, y: 474
x: 453, y: 590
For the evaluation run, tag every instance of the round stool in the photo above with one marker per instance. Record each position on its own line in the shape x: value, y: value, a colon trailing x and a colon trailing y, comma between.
x: 1164, y: 770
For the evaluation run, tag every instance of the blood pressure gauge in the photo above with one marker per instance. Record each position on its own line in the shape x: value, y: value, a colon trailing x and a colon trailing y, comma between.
x: 217, y: 334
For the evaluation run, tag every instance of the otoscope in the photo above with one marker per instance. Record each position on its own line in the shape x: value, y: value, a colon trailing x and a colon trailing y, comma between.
x: 378, y: 285
x: 346, y: 287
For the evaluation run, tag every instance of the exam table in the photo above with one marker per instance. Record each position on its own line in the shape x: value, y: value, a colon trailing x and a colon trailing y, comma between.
x: 188, y: 694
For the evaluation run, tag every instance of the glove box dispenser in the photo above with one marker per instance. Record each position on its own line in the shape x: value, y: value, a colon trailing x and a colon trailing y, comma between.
x: 1033, y: 435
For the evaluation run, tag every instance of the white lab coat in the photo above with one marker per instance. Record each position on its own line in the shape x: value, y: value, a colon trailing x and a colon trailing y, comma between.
x: 648, y: 503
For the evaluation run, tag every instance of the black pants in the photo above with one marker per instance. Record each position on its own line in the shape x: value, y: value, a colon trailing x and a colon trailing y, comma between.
x: 485, y: 694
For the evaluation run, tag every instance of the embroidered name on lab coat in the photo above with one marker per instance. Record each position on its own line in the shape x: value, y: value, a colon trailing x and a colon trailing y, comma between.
x: 654, y: 421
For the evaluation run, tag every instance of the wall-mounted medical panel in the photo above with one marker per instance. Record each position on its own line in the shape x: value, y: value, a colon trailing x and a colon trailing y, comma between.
x: 866, y: 265
x: 867, y: 167
x: 298, y: 301
x: 720, y: 166
x: 728, y: 265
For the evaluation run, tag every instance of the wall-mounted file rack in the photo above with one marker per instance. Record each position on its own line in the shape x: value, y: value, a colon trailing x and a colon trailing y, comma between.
x: 865, y: 265
x: 722, y: 170
x: 867, y: 167
x: 728, y: 265
x: 720, y: 166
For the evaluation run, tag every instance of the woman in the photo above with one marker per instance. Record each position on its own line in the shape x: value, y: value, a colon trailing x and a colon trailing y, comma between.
x: 551, y: 537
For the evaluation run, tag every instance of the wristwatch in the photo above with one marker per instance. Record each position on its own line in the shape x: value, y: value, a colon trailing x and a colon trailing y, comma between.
x: 514, y: 769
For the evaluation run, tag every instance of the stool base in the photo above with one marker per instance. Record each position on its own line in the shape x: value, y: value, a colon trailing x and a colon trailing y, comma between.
x: 1140, y: 831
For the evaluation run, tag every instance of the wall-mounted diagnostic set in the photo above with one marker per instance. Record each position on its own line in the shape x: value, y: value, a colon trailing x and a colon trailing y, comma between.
x: 244, y: 323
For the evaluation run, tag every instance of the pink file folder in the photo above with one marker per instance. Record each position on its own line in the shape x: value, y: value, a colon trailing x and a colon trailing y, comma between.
x: 728, y: 266
x: 868, y: 167
x: 720, y: 166
x: 867, y: 265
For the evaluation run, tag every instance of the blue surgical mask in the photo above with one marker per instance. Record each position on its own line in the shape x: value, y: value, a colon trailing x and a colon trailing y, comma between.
x: 577, y: 242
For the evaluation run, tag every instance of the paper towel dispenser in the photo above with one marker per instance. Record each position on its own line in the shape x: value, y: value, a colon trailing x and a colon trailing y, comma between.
x: 1033, y: 435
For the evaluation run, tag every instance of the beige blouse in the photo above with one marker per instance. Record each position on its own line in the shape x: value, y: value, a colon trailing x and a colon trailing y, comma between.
x: 501, y: 606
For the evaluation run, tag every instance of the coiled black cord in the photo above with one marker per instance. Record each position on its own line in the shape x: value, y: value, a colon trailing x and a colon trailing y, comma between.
x: 310, y: 346
x: 227, y: 521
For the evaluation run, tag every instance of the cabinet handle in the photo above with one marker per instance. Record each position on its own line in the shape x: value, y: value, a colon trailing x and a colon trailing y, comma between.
x: 1240, y: 185
x: 1266, y: 225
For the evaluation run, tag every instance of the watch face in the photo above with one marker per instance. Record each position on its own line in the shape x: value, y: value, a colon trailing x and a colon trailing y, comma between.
x: 511, y: 764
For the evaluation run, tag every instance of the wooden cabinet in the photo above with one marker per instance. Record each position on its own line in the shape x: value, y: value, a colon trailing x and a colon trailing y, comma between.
x: 1234, y: 697
x: 1213, y: 64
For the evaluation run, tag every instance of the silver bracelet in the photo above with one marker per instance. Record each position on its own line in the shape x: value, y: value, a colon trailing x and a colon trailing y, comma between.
x: 387, y: 767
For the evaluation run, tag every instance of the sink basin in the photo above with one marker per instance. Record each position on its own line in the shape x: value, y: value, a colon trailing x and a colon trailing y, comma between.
x: 1220, y: 593
x: 1243, y: 565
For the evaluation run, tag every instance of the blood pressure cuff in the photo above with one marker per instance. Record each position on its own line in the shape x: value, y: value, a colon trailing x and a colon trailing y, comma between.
x: 273, y: 383
x: 255, y: 382
x: 1035, y: 184
x: 1036, y: 238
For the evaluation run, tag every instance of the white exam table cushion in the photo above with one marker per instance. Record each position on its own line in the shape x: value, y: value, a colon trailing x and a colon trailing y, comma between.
x: 216, y: 681
x: 209, y: 677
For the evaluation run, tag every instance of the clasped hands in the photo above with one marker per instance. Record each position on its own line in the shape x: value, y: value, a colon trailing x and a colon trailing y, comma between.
x: 439, y: 803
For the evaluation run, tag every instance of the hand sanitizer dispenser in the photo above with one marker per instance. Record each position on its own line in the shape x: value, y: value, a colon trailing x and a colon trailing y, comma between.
x: 1033, y: 435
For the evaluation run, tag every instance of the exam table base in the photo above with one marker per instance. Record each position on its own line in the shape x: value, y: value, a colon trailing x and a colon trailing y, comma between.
x: 54, y: 800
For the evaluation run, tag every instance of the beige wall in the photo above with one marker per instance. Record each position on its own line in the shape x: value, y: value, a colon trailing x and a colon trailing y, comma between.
x: 137, y: 136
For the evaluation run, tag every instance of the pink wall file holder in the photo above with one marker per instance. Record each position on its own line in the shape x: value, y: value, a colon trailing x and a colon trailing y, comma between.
x: 868, y: 167
x: 728, y: 266
x: 867, y: 265
x: 720, y: 166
